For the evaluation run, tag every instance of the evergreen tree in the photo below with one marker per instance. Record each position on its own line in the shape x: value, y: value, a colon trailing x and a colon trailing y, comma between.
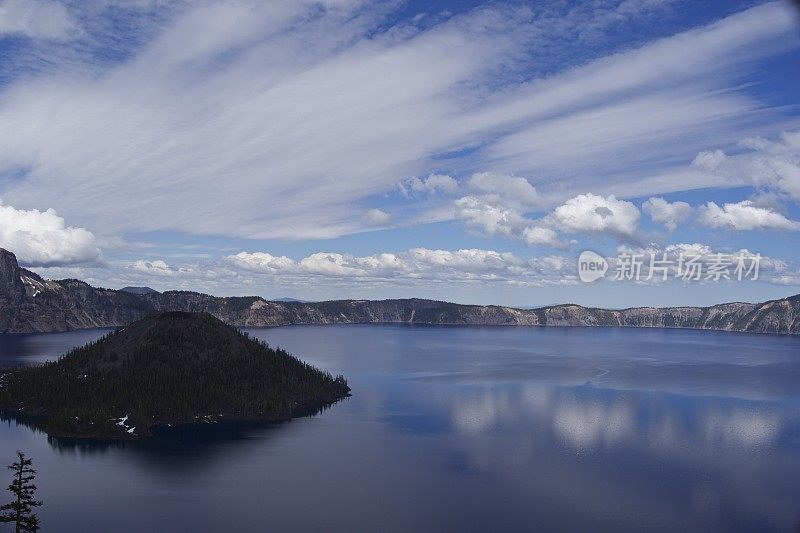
x: 20, y: 511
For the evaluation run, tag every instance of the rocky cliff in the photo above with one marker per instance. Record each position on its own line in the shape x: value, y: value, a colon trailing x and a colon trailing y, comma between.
x: 29, y: 303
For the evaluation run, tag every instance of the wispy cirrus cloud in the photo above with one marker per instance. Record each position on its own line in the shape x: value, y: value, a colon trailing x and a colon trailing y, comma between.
x: 37, y: 19
x: 222, y: 98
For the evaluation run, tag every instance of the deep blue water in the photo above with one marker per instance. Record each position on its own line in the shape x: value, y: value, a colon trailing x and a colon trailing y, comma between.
x: 464, y: 429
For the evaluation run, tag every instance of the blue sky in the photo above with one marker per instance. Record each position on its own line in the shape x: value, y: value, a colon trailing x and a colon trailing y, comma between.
x: 466, y: 151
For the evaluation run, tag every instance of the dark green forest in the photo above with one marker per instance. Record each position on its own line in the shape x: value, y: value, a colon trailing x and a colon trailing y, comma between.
x: 168, y: 368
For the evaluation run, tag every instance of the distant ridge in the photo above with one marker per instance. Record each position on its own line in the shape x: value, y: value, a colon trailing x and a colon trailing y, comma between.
x: 138, y: 290
x: 29, y: 303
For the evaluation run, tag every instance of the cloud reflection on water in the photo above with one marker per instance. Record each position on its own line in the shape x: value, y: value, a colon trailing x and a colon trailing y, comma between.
x: 591, y: 418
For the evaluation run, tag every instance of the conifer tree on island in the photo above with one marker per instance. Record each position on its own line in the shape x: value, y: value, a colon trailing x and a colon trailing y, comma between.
x: 20, y: 511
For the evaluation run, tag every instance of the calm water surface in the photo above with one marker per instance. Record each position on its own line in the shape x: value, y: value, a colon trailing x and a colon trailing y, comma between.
x: 464, y: 429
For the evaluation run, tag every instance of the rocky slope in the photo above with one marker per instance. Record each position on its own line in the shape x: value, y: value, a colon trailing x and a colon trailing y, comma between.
x: 29, y: 303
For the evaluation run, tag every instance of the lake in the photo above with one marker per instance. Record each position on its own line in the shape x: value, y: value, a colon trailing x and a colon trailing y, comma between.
x: 462, y: 429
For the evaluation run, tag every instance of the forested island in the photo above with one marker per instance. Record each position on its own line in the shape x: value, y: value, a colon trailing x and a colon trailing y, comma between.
x: 169, y: 368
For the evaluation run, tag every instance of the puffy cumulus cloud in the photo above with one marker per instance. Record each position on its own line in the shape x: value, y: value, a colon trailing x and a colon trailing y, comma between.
x: 38, y: 19
x: 435, y: 183
x: 415, y: 265
x: 743, y: 216
x: 590, y: 213
x: 159, y: 267
x: 497, y: 204
x: 503, y: 214
x: 42, y: 238
x: 318, y: 264
x: 260, y: 262
x: 675, y: 251
x: 771, y: 165
x: 669, y: 214
x: 709, y: 254
x: 377, y: 218
x: 340, y: 265
x: 789, y: 277
x: 469, y: 259
x: 512, y: 189
x: 555, y: 263
x: 488, y: 216
x: 768, y: 200
x: 542, y: 236
x: 676, y: 256
x: 710, y: 160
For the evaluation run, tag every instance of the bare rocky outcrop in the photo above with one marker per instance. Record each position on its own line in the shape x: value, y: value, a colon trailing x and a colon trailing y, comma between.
x: 29, y: 303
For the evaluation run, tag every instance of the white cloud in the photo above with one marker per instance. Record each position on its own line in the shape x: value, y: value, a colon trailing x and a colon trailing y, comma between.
x: 224, y: 108
x: 487, y: 215
x: 181, y: 273
x: 513, y: 189
x: 435, y: 183
x: 260, y: 262
x: 341, y: 275
x: 743, y: 216
x: 706, y: 252
x: 159, y: 267
x: 468, y: 260
x: 772, y: 165
x: 340, y: 265
x: 590, y: 213
x: 770, y: 269
x: 710, y: 160
x: 415, y: 265
x: 655, y: 117
x: 39, y: 19
x: 669, y: 214
x: 42, y: 238
x: 551, y: 262
x: 539, y: 235
x: 377, y: 218
x: 497, y: 205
